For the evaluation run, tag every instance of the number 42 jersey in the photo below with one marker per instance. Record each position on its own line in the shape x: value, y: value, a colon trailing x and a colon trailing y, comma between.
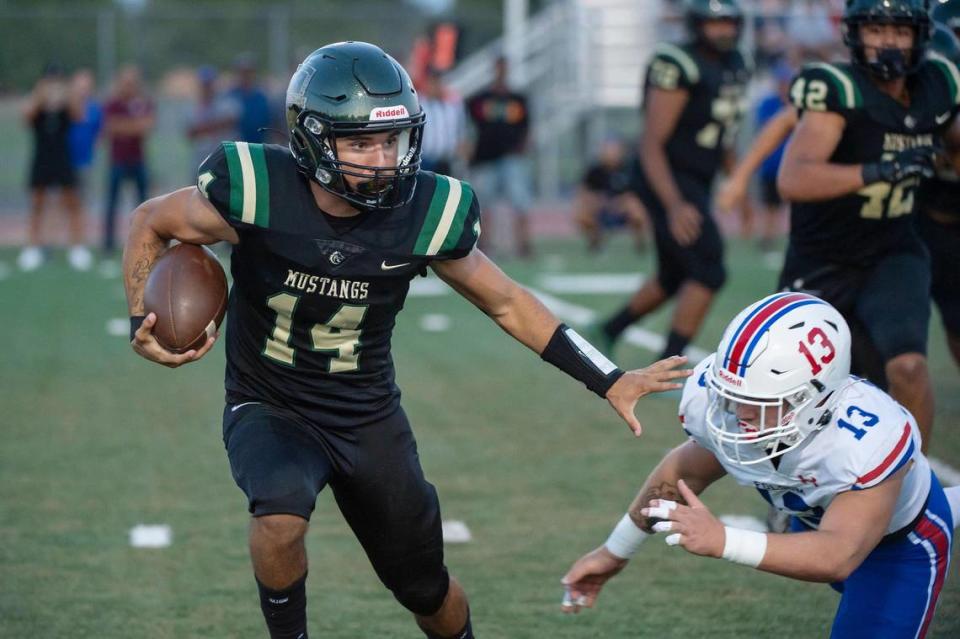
x: 314, y: 298
x: 868, y: 439
x: 862, y: 226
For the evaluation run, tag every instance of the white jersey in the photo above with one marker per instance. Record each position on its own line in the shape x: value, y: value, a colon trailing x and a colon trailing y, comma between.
x: 868, y: 438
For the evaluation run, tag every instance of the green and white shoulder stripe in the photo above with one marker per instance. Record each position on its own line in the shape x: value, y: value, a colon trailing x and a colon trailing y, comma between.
x: 683, y: 59
x: 950, y: 70
x: 445, y: 218
x: 249, y: 183
x: 847, y: 89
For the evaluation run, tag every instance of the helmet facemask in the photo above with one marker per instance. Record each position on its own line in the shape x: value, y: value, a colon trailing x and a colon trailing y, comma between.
x: 891, y: 62
x: 775, y: 430
x: 382, y: 187
x: 720, y: 46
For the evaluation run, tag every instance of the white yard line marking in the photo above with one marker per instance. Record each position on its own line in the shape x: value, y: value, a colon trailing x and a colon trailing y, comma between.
x: 947, y: 474
x: 428, y: 287
x: 435, y: 322
x: 118, y: 327
x: 592, y: 284
x: 151, y: 536
x: 456, y: 532
x: 581, y: 315
x: 743, y: 521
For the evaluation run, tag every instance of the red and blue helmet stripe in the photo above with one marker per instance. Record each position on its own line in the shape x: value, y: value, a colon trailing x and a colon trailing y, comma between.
x: 756, y: 323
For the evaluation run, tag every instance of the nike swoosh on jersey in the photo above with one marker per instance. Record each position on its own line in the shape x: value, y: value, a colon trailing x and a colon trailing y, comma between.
x: 943, y: 118
x: 390, y: 267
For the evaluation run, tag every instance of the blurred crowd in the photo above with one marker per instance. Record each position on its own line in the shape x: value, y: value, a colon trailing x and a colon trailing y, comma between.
x: 70, y: 124
x: 483, y: 137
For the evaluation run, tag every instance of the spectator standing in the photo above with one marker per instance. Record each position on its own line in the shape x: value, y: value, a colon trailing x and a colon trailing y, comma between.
x: 254, y: 104
x: 605, y: 199
x: 128, y: 119
x: 212, y: 119
x: 811, y: 31
x: 49, y: 112
x: 443, y: 134
x: 498, y: 165
x: 84, y: 131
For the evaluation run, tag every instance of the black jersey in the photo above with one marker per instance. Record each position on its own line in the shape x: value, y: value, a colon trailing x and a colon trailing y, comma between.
x: 314, y: 298
x: 860, y: 227
x: 709, y: 122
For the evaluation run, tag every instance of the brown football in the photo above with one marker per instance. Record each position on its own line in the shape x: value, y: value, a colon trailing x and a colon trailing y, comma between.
x: 187, y: 289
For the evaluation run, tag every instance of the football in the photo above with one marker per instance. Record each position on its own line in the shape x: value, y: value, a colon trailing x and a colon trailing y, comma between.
x: 187, y: 289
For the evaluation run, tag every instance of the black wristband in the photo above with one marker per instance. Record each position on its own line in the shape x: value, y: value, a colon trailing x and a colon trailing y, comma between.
x: 870, y: 173
x: 135, y: 322
x: 576, y: 357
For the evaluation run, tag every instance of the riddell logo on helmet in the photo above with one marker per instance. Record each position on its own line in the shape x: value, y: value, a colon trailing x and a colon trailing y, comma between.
x: 730, y: 378
x: 389, y: 113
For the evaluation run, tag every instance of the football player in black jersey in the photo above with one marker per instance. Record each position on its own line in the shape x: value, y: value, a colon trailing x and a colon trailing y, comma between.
x: 868, y: 132
x: 939, y: 218
x: 694, y: 98
x: 326, y: 236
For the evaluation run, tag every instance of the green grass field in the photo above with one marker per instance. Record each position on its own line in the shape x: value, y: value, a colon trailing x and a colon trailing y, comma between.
x: 96, y: 440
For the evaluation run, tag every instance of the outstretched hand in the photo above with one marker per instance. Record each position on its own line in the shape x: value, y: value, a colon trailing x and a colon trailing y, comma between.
x: 632, y: 385
x: 582, y: 583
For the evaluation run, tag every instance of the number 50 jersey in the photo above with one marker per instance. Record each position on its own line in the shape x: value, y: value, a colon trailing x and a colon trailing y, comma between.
x: 868, y: 439
x: 860, y: 227
x: 314, y: 298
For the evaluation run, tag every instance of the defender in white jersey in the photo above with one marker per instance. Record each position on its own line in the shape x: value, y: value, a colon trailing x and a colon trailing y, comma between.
x: 777, y: 409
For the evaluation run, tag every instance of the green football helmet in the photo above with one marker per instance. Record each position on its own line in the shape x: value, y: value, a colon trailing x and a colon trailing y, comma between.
x: 696, y: 12
x: 347, y: 89
x: 890, y: 63
x: 947, y: 13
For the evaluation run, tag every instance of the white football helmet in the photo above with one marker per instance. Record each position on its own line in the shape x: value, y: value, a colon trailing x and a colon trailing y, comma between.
x: 789, y: 352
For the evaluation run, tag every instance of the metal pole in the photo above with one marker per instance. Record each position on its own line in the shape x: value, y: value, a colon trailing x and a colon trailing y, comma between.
x: 514, y: 30
x: 106, y: 45
x: 279, y: 44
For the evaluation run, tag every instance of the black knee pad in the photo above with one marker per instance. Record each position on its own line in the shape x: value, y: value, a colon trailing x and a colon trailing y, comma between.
x: 419, y: 586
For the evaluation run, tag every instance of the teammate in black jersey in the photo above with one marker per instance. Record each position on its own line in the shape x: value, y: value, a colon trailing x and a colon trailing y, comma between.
x: 939, y: 218
x: 694, y: 98
x: 327, y: 235
x: 868, y: 132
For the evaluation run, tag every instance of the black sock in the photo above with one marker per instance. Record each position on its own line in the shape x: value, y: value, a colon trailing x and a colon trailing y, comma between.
x: 619, y: 322
x: 675, y: 345
x: 466, y: 633
x: 285, y: 611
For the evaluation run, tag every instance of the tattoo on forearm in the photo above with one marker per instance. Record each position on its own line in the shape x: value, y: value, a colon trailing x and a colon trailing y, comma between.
x: 665, y: 490
x: 149, y: 251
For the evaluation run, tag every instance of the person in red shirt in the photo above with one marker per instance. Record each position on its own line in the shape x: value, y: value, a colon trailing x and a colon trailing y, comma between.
x: 128, y: 119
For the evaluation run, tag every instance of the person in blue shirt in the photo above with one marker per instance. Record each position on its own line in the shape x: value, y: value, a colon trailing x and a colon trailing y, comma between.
x: 84, y: 132
x: 769, y: 107
x: 253, y: 101
x: 774, y: 120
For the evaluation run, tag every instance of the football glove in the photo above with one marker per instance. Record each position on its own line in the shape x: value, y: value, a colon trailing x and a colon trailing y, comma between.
x: 919, y: 161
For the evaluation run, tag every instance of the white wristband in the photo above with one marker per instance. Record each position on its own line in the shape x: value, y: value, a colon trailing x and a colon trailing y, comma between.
x: 745, y: 547
x: 625, y: 538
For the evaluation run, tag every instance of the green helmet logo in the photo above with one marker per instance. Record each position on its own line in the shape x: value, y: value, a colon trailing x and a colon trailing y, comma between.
x: 349, y: 89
